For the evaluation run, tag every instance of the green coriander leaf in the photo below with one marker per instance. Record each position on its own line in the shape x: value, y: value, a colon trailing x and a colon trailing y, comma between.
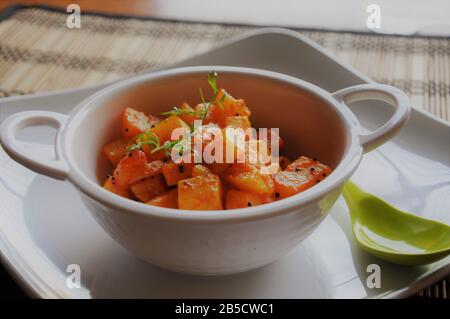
x: 212, y: 80
x: 204, y: 111
x: 202, y: 97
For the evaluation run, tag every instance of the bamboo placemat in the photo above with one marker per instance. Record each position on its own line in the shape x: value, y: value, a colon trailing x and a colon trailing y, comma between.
x: 39, y: 53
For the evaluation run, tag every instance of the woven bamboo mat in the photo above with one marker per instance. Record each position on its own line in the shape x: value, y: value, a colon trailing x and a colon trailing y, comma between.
x: 38, y: 53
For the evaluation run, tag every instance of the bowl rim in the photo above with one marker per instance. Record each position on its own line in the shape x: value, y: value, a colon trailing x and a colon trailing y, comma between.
x: 347, y: 165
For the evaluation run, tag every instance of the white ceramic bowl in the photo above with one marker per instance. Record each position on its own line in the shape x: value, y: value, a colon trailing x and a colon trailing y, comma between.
x: 312, y: 121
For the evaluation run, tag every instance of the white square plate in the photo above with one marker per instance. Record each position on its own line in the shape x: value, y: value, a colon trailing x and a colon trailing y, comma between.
x: 45, y: 227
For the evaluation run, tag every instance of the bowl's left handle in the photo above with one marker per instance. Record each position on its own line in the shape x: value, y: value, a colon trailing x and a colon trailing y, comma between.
x: 380, y: 92
x: 56, y: 168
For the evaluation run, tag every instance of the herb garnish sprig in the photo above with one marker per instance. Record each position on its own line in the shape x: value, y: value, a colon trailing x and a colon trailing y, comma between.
x: 144, y: 138
x: 151, y: 139
x: 203, y: 112
x: 212, y: 81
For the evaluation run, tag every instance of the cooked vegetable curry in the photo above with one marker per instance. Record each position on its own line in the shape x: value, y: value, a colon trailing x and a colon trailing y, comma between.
x: 143, y: 169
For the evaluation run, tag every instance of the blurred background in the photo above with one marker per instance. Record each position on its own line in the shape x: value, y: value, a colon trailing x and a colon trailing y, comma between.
x: 431, y: 17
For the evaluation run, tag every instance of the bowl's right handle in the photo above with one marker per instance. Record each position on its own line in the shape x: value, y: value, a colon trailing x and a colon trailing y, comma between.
x: 56, y: 168
x: 380, y: 92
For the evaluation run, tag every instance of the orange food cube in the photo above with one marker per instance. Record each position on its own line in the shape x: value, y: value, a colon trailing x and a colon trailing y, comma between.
x: 234, y: 145
x: 200, y: 193
x: 258, y: 152
x: 240, y: 199
x: 313, y: 167
x: 298, y: 176
x: 203, y: 136
x: 291, y: 183
x: 175, y: 172
x: 239, y: 121
x: 253, y: 182
x: 116, y: 150
x: 161, y: 132
x: 149, y: 188
x: 134, y: 122
x: 199, y: 170
x: 301, y: 162
x: 164, y: 129
x: 168, y: 199
x: 112, y: 186
x: 133, y: 168
x: 225, y: 105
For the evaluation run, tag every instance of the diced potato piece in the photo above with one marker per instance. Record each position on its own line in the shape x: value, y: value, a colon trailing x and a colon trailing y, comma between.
x: 238, y: 121
x: 230, y: 107
x: 239, y: 199
x: 133, y: 168
x: 313, y: 167
x: 200, y: 193
x: 237, y: 149
x: 149, y: 188
x: 200, y: 170
x: 253, y: 182
x: 299, y: 175
x: 165, y: 128
x: 175, y: 172
x: 112, y: 186
x: 168, y: 199
x: 134, y: 122
x: 205, y: 134
x: 116, y: 150
x: 258, y: 153
x: 301, y: 162
x: 291, y: 183
x: 234, y: 146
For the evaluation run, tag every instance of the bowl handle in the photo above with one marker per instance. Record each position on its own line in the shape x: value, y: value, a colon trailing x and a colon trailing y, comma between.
x: 56, y: 168
x: 380, y: 92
